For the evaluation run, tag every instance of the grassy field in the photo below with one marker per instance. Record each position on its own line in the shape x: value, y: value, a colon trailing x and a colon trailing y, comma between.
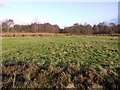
x: 55, y: 50
x: 99, y: 52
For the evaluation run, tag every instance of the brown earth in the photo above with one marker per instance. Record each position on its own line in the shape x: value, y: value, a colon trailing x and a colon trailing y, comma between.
x: 23, y: 74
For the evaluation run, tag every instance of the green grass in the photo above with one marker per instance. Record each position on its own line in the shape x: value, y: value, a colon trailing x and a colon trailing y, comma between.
x: 62, y: 50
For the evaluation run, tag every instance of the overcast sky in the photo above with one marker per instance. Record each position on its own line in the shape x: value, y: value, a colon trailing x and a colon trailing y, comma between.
x: 61, y: 13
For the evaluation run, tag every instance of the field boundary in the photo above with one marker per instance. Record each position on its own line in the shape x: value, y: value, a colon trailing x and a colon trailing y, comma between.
x: 50, y: 34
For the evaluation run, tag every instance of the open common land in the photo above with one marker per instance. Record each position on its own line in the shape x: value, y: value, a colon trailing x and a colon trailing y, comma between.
x: 61, y: 61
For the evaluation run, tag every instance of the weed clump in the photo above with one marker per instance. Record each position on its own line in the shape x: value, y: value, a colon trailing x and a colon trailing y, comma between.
x: 23, y: 74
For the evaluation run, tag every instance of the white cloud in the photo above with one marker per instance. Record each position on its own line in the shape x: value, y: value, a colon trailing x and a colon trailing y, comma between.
x: 3, y: 3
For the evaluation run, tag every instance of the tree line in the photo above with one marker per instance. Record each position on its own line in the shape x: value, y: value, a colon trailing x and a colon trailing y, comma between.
x: 102, y: 28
